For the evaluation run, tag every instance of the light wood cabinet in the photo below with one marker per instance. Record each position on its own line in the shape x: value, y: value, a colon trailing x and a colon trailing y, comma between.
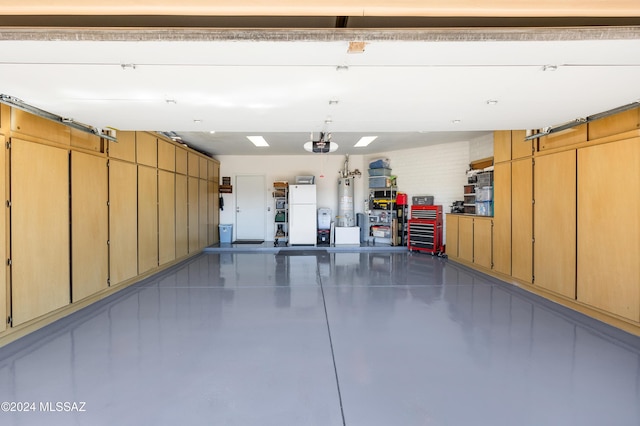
x: 123, y: 221
x: 204, y: 168
x: 482, y: 242
x: 555, y: 222
x: 609, y: 227
x: 5, y: 119
x: 146, y: 149
x: 147, y: 219
x: 614, y: 124
x: 193, y: 166
x: 166, y: 155
x: 28, y: 124
x: 89, y: 233
x: 465, y: 238
x: 194, y: 209
x: 87, y: 141
x: 502, y: 218
x: 203, y: 214
x: 520, y: 148
x: 39, y: 229
x: 182, y: 216
x: 522, y: 220
x: 125, y: 148
x: 452, y: 235
x: 181, y: 161
x: 501, y: 146
x: 166, y: 216
x: 4, y: 289
x: 565, y: 138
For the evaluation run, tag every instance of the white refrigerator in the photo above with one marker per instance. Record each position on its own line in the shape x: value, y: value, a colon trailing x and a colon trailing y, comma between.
x: 302, y: 215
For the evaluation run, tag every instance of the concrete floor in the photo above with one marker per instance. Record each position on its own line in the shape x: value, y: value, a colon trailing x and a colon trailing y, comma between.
x: 309, y: 337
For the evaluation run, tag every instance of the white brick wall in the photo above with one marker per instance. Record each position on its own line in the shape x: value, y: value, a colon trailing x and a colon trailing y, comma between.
x: 481, y: 147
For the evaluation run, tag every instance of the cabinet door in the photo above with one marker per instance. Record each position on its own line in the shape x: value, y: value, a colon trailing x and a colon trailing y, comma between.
x: 182, y: 216
x: 519, y: 147
x: 39, y: 229
x: 125, y: 148
x: 89, y: 225
x: 147, y: 218
x: 166, y: 217
x: 194, y: 208
x: 482, y: 242
x: 123, y: 221
x: 146, y: 149
x: 609, y: 227
x: 502, y: 218
x: 212, y: 225
x: 203, y: 215
x: 465, y: 238
x: 555, y: 222
x: 452, y: 235
x: 4, y: 111
x: 522, y: 220
x: 166, y: 155
x: 501, y: 146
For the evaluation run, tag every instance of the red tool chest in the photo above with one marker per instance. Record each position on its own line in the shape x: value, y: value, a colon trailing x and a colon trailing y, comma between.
x: 425, y: 229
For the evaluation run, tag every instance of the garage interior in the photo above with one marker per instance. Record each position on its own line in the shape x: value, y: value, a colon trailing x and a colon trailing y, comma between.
x: 127, y: 128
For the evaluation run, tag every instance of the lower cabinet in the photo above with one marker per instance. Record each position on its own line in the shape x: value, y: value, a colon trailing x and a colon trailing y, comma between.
x: 472, y: 237
x: 608, y: 266
x: 40, y: 272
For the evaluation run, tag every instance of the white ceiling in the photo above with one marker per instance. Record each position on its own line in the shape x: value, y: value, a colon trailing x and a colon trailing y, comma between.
x: 409, y: 88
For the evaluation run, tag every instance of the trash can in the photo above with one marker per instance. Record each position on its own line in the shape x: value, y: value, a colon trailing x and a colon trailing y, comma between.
x: 226, y: 232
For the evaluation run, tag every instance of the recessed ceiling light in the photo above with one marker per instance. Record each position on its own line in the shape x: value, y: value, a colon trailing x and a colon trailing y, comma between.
x: 364, y: 141
x: 258, y: 141
x: 549, y: 68
x: 342, y: 68
x: 196, y: 121
x: 328, y: 120
x: 456, y: 121
x: 492, y: 102
x: 333, y: 101
x: 212, y: 131
x: 170, y: 101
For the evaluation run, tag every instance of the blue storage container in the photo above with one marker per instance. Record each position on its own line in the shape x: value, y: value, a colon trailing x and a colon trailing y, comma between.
x: 226, y: 233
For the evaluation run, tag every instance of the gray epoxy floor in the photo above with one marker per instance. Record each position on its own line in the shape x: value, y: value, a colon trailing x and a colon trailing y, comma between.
x: 368, y: 338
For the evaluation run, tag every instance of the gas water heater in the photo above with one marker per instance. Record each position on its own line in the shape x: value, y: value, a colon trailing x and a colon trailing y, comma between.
x: 346, y: 214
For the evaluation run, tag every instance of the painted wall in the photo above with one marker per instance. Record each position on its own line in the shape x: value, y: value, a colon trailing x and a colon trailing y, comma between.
x: 324, y: 167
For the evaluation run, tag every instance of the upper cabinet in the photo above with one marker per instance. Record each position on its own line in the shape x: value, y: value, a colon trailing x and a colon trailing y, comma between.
x: 125, y: 148
x: 194, y: 164
x: 146, y: 149
x: 166, y: 156
x: 31, y: 125
x: 615, y: 124
x: 564, y: 138
x: 511, y: 145
x: 181, y: 161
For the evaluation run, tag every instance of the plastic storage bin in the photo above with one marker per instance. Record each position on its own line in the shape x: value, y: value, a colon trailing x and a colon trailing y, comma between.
x: 380, y: 172
x: 226, y: 232
x: 484, y: 194
x: 379, y: 182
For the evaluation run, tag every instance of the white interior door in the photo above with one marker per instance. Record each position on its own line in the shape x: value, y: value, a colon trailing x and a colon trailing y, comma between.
x: 250, y: 207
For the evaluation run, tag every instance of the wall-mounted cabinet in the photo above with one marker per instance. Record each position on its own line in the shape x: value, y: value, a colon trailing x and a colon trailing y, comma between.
x: 147, y: 219
x: 181, y: 161
x: 608, y: 274
x: 123, y: 221
x: 4, y: 271
x: 40, y: 272
x: 502, y: 218
x: 166, y: 217
x: 562, y: 139
x: 146, y: 149
x: 203, y: 213
x: 193, y: 166
x: 522, y: 220
x: 125, y: 148
x: 555, y: 222
x: 26, y: 124
x: 194, y: 209
x: 166, y: 156
x: 182, y: 216
x: 89, y: 235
